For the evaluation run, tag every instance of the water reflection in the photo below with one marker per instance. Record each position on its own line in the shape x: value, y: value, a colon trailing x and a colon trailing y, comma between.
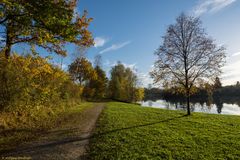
x: 150, y: 103
x: 216, y: 106
x: 219, y: 105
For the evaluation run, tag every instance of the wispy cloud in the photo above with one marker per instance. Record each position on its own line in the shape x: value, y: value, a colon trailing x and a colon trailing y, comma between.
x: 211, y: 6
x: 236, y: 54
x: 115, y: 47
x: 132, y: 66
x: 231, y: 72
x: 99, y: 41
x: 145, y: 79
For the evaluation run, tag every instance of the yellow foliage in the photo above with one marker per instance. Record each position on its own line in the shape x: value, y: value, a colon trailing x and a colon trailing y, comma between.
x: 139, y: 94
x: 31, y: 79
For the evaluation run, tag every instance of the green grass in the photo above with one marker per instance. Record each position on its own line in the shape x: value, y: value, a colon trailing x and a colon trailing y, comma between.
x: 127, y: 131
x: 30, y: 124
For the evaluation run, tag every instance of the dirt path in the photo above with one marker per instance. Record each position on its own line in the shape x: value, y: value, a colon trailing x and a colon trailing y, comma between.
x: 68, y: 142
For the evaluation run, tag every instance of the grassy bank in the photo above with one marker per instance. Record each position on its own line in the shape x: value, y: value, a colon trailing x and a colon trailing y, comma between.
x: 127, y: 131
x: 20, y: 127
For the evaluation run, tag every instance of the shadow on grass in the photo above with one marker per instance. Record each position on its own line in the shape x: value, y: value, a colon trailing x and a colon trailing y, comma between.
x: 138, y: 126
x: 81, y: 141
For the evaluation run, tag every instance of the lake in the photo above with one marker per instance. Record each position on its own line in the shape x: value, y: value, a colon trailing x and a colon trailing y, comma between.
x: 215, y: 108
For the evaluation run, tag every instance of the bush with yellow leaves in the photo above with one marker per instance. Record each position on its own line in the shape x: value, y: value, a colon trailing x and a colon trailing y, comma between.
x: 30, y: 81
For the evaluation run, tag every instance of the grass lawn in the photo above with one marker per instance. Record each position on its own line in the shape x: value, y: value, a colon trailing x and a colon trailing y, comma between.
x: 127, y: 131
x: 30, y: 125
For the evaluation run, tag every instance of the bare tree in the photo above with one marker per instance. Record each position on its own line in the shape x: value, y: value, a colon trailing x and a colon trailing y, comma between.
x: 98, y: 60
x: 187, y: 55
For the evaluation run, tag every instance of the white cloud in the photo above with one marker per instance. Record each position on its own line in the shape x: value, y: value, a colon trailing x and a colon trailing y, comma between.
x: 231, y: 72
x: 145, y: 79
x: 99, y: 41
x: 133, y: 66
x: 115, y: 47
x: 109, y: 64
x: 211, y: 6
x: 235, y: 54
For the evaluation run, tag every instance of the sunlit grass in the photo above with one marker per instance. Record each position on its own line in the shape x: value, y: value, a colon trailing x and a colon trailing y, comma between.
x: 127, y: 131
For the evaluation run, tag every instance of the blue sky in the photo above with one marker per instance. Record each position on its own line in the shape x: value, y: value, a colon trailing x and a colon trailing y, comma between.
x: 130, y: 30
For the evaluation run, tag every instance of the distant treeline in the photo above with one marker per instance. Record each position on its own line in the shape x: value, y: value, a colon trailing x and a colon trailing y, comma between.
x: 30, y: 81
x: 229, y: 94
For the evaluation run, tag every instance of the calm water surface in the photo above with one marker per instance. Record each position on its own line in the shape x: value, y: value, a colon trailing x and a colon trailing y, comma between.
x: 221, y: 108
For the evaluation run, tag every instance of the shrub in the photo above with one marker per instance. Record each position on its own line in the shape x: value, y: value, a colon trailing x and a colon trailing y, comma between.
x: 30, y: 81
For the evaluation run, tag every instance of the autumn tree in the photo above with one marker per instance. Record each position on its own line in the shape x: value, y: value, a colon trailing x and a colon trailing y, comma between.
x: 32, y: 82
x: 130, y: 79
x: 116, y: 81
x: 98, y: 86
x: 123, y: 84
x: 187, y: 55
x: 81, y: 70
x: 138, y: 94
x: 46, y: 23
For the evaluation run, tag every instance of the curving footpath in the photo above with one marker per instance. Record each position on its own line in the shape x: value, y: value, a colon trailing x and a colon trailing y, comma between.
x: 69, y: 142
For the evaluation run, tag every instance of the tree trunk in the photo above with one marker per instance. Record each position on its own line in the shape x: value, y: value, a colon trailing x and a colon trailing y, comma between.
x: 8, y: 42
x: 8, y: 45
x: 7, y: 51
x: 188, y: 103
